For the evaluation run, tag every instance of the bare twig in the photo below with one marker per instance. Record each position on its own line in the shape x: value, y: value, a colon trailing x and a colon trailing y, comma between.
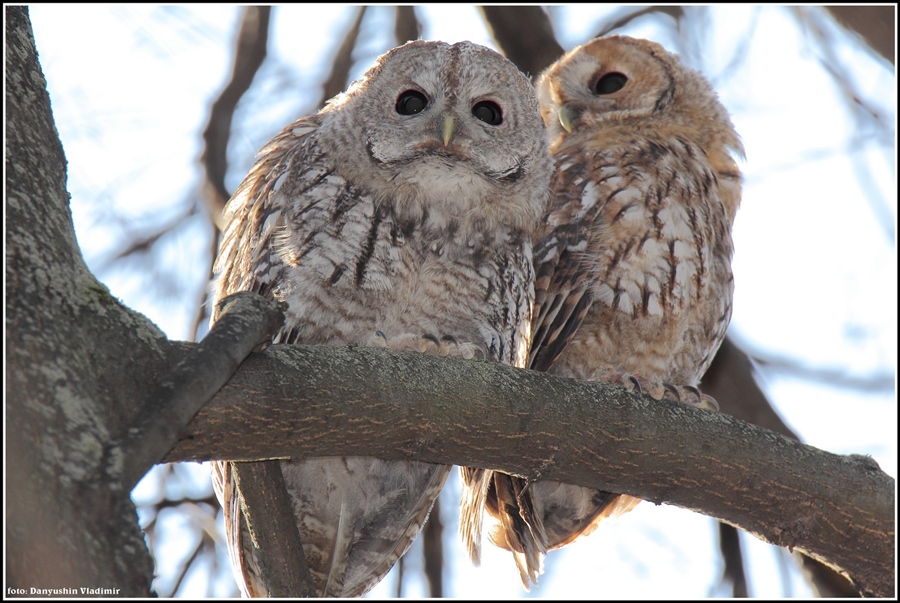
x: 433, y: 551
x: 140, y: 243
x: 340, y: 67
x: 619, y: 20
x: 868, y: 117
x: 730, y: 546
x: 250, y: 52
x: 401, y: 572
x: 182, y: 571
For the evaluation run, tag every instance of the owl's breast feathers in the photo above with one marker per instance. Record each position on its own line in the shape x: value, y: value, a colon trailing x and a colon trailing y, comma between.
x: 350, y: 261
x: 644, y: 241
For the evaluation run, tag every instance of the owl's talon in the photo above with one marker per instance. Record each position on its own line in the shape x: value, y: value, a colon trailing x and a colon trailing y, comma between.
x: 433, y: 339
x: 706, y: 402
x: 676, y: 395
x: 379, y: 339
x: 637, y: 384
x: 471, y: 350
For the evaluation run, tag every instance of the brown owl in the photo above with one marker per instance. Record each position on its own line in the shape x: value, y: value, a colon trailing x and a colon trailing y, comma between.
x: 401, y: 215
x: 633, y: 262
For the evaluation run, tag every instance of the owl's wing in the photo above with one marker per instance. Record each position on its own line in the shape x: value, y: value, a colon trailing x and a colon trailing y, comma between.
x: 562, y: 287
x: 247, y: 259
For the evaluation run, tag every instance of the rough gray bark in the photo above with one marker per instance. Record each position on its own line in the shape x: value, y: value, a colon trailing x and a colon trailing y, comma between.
x: 75, y: 359
x: 352, y: 400
x: 81, y: 365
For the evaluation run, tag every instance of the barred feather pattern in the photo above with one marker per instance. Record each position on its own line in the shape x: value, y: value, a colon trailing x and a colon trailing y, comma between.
x: 633, y: 261
x: 384, y: 226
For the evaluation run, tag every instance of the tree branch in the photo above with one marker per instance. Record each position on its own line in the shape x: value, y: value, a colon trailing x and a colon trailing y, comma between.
x: 349, y: 401
x: 270, y: 516
x: 340, y: 67
x: 246, y: 320
x: 875, y: 24
x: 406, y: 24
x: 433, y: 551
x: 249, y: 54
x: 733, y: 557
x: 730, y: 381
x: 626, y: 15
x: 532, y: 53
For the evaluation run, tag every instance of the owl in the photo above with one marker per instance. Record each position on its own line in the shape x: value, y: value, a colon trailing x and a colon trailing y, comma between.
x: 633, y: 259
x: 401, y: 215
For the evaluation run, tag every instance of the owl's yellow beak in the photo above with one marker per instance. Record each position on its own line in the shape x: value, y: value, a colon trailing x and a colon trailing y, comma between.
x: 447, y: 129
x: 567, y: 118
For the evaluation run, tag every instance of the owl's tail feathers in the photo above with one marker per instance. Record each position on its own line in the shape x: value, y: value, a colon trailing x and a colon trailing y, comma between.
x: 475, y: 484
x: 606, y: 505
x: 520, y: 527
x: 340, y: 553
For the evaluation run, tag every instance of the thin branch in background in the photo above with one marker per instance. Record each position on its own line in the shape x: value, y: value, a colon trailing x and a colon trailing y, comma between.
x: 835, y: 377
x: 852, y: 145
x: 406, y: 25
x: 741, y: 53
x: 210, y: 501
x: 185, y: 566
x: 813, y: 21
x: 142, y: 243
x: 433, y: 551
x: 250, y: 51
x: 398, y: 585
x: 620, y: 19
x: 340, y: 67
x: 532, y: 53
x: 733, y: 573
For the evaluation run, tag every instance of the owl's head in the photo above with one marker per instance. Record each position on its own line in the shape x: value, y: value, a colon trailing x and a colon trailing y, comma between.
x: 618, y: 80
x: 451, y: 130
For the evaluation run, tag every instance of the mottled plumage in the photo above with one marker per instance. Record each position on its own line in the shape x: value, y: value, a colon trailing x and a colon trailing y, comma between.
x: 400, y: 215
x: 633, y: 262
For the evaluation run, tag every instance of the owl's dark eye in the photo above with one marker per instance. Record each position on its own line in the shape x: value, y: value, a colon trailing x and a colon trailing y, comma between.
x: 411, y: 102
x: 609, y: 83
x: 489, y: 112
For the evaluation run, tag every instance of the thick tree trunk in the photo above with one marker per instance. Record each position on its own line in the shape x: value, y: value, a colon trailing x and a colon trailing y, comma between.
x: 77, y: 362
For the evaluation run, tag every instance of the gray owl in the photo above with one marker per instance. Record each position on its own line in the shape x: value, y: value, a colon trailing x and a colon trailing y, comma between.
x: 633, y: 260
x: 401, y: 215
